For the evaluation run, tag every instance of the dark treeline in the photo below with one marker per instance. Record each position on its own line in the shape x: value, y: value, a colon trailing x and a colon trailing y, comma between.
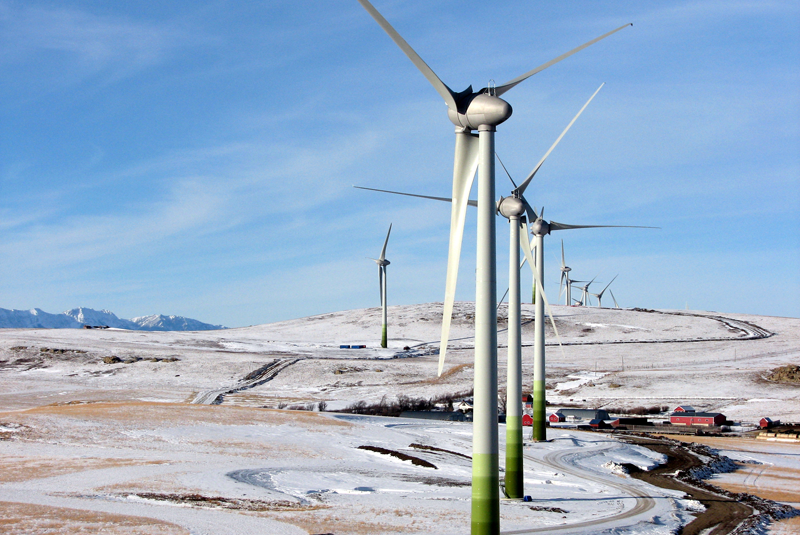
x: 406, y: 403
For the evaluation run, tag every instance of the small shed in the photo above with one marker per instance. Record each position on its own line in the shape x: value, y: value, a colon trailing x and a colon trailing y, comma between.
x: 684, y: 408
x: 464, y: 406
x: 555, y: 417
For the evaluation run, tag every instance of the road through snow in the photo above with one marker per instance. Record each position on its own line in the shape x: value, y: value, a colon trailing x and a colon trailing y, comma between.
x: 637, y: 504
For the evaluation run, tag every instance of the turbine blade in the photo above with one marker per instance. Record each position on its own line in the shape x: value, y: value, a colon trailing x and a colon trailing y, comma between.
x: 527, y: 181
x: 614, y: 298
x: 500, y: 302
x: 383, y: 251
x: 444, y: 199
x: 607, y: 285
x: 563, y: 226
x: 464, y: 168
x: 563, y: 263
x: 508, y: 85
x: 529, y: 210
x: 506, y: 170
x: 441, y: 88
x: 527, y: 250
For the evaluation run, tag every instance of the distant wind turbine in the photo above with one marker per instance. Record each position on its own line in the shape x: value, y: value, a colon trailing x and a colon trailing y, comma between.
x: 565, y: 286
x: 382, y: 263
x: 599, y: 296
x: 584, y: 300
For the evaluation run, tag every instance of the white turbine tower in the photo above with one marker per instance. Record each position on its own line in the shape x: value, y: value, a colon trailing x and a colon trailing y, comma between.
x: 483, y: 111
x: 382, y: 263
x: 599, y: 296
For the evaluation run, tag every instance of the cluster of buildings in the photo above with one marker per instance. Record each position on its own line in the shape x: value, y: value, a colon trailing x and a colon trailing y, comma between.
x: 683, y: 415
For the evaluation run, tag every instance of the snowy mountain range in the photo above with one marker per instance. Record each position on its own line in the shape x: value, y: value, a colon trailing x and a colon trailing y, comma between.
x: 78, y: 317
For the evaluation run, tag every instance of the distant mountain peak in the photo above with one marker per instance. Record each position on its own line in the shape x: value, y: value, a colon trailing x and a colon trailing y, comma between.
x: 76, y: 318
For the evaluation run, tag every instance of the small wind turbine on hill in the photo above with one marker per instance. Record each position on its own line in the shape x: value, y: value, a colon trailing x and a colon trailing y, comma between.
x: 599, y: 296
x: 382, y: 263
x: 483, y: 111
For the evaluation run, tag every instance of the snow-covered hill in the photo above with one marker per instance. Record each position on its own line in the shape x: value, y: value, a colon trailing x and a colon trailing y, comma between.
x: 76, y: 318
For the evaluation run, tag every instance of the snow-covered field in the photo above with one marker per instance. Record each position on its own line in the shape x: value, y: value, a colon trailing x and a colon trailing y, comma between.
x: 97, y: 427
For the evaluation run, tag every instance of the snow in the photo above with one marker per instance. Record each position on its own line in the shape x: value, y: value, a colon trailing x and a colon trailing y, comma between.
x: 123, y: 438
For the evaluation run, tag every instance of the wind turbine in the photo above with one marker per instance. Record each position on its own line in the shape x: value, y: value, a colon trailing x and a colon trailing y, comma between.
x: 540, y: 228
x: 483, y: 111
x: 516, y: 209
x: 600, y: 295
x: 584, y: 300
x: 382, y: 263
x: 565, y: 269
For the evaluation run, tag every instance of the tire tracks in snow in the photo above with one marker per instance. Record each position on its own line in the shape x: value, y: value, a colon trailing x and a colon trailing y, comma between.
x: 258, y: 377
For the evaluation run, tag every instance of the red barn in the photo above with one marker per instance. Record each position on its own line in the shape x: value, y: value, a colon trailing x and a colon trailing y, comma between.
x: 684, y: 408
x: 765, y: 423
x: 697, y: 418
x: 527, y: 420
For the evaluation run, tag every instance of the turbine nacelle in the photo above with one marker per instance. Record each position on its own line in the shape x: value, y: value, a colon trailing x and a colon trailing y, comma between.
x: 509, y: 207
x: 540, y: 227
x: 479, y: 109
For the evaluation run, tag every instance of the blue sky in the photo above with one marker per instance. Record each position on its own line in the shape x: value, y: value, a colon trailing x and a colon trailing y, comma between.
x: 196, y: 158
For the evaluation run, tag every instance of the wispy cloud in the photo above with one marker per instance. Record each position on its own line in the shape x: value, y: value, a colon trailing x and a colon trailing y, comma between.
x: 78, y: 44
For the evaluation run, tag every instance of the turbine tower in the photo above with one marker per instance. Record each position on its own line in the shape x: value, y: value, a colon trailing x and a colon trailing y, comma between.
x: 483, y: 111
x: 600, y: 295
x: 382, y: 263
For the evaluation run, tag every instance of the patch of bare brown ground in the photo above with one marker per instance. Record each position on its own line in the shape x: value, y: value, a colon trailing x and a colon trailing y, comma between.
x: 722, y: 514
x: 790, y: 526
x: 340, y: 523
x: 777, y: 483
x: 163, y: 413
x: 28, y: 519
x: 23, y: 469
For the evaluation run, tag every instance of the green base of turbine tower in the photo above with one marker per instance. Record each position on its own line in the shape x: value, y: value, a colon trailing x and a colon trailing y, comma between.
x: 539, y: 417
x: 383, y: 337
x: 514, y: 471
x: 485, y: 495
